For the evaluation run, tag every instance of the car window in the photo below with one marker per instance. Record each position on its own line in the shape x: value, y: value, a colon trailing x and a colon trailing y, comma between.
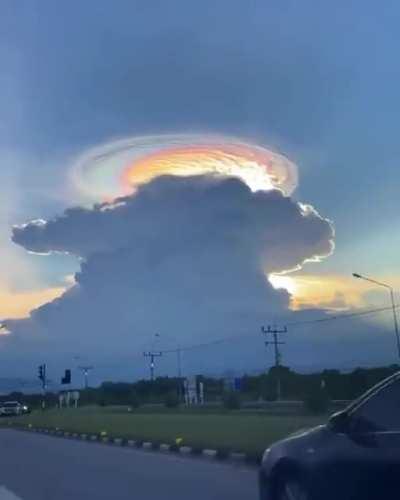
x: 381, y: 412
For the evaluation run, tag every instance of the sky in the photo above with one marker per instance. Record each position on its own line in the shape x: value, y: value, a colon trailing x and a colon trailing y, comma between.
x: 310, y: 85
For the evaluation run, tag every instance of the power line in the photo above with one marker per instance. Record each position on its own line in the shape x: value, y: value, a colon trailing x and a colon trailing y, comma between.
x: 292, y: 324
x: 342, y: 316
x: 232, y: 338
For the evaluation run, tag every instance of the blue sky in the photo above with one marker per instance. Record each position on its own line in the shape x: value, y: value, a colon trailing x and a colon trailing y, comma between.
x: 317, y: 81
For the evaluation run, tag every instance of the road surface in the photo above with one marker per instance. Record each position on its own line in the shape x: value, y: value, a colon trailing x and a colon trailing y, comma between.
x: 38, y: 467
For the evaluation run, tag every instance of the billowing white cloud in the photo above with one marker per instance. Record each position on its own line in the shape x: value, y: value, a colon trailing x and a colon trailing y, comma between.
x: 181, y: 215
x: 182, y: 255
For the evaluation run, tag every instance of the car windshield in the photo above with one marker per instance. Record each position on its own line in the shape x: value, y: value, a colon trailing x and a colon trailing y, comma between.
x: 380, y: 412
x: 199, y: 247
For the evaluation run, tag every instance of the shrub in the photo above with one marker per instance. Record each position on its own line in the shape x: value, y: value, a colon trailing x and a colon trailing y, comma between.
x: 316, y: 401
x: 134, y: 401
x: 171, y: 400
x: 270, y: 394
x: 223, y: 453
x: 232, y: 401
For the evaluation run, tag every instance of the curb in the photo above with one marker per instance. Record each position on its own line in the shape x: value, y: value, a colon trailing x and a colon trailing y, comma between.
x: 234, y: 458
x: 238, y: 457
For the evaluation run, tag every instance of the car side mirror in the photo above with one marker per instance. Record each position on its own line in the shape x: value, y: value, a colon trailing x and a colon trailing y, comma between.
x: 340, y: 422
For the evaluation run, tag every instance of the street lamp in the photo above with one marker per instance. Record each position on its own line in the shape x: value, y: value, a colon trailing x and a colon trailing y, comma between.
x: 388, y: 287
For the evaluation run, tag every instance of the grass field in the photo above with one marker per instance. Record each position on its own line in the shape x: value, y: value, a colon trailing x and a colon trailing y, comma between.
x: 235, y: 431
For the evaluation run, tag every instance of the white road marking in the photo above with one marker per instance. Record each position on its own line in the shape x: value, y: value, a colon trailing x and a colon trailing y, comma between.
x: 6, y: 494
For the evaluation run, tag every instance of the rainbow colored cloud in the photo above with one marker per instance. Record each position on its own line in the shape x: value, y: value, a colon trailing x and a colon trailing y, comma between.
x: 117, y: 168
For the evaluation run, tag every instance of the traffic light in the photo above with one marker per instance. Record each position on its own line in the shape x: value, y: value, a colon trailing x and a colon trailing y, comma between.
x: 67, y: 377
x: 42, y: 372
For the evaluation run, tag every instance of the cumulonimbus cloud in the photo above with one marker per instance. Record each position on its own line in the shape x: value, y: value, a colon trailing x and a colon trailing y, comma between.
x: 188, y: 254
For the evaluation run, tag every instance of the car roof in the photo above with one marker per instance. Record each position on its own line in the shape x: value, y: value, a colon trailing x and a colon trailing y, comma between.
x: 371, y: 392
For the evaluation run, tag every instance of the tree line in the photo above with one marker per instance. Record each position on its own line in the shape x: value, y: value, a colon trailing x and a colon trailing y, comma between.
x: 333, y: 384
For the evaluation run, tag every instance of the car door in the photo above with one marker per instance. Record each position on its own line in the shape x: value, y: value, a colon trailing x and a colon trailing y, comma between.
x: 374, y: 431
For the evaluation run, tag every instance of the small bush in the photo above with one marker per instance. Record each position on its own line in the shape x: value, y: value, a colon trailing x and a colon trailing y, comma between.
x: 174, y: 447
x: 316, y: 401
x: 223, y: 453
x: 270, y: 394
x: 134, y: 401
x: 171, y: 401
x: 232, y: 401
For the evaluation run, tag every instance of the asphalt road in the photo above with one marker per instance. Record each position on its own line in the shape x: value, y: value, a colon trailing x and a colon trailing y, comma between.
x: 37, y: 467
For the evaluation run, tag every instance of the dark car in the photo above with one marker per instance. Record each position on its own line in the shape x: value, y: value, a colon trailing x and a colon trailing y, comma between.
x: 355, y: 456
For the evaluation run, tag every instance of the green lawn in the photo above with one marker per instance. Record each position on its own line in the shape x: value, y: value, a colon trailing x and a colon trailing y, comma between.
x: 236, y: 431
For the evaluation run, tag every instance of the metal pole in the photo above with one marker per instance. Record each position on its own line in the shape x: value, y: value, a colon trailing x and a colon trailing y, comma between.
x: 178, y: 353
x: 179, y: 363
x: 274, y: 331
x: 276, y: 348
x: 44, y: 386
x: 152, y: 368
x: 86, y: 370
x: 396, y: 326
x: 152, y: 355
x: 277, y: 363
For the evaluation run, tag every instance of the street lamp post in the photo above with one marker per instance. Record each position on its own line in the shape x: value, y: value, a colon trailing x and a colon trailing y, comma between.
x: 388, y: 287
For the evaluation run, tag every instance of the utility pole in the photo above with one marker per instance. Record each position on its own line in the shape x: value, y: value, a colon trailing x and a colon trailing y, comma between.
x: 178, y: 353
x: 86, y: 370
x: 42, y: 377
x: 152, y: 355
x: 276, y: 343
x: 391, y: 292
